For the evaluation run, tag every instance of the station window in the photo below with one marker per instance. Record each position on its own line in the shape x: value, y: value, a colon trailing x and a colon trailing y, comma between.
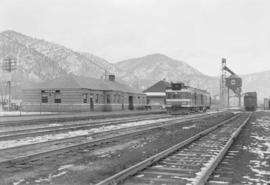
x: 169, y: 95
x: 101, y: 98
x: 84, y: 98
x: 119, y: 98
x: 113, y: 98
x: 44, y: 98
x: 143, y: 101
x: 108, y: 99
x: 57, y: 98
x: 97, y: 97
x: 181, y: 95
x: 148, y: 101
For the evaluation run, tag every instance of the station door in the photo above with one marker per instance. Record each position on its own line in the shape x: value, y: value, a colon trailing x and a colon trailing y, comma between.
x: 91, y: 104
x: 130, y: 103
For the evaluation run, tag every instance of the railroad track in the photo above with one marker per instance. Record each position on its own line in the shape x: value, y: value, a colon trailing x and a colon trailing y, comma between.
x: 4, y: 136
x: 10, y: 156
x: 75, y: 117
x: 72, y: 127
x: 6, y: 130
x: 189, y: 162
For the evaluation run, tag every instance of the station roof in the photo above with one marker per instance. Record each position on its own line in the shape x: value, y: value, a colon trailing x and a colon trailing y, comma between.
x: 81, y: 82
x: 158, y: 87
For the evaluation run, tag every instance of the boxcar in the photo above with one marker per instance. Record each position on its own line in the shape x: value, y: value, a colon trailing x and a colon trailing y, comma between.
x: 266, y: 104
x: 250, y: 101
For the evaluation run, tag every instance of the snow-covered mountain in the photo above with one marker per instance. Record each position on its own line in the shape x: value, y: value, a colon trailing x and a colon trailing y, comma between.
x: 145, y: 71
x: 39, y: 60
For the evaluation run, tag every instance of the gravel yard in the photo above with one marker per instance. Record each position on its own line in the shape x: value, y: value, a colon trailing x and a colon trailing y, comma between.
x: 91, y: 165
x: 49, y: 137
x: 248, y: 161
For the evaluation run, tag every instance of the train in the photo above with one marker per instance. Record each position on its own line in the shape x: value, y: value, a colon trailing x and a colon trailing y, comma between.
x: 250, y: 101
x: 182, y: 99
x: 266, y: 103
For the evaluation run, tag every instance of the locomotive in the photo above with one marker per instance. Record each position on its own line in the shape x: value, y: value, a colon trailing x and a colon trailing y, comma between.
x: 250, y: 101
x: 181, y: 99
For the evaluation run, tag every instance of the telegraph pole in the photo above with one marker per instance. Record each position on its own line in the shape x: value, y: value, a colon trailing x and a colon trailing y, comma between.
x: 9, y: 64
x: 223, y: 90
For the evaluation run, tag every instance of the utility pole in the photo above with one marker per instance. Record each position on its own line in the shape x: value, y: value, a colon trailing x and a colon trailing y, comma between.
x: 223, y: 90
x: 9, y: 64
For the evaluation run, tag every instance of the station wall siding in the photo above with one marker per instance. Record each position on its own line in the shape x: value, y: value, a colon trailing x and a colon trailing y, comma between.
x: 72, y: 100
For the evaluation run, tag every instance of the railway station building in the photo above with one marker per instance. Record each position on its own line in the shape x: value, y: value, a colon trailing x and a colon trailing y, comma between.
x: 156, y: 97
x: 72, y: 93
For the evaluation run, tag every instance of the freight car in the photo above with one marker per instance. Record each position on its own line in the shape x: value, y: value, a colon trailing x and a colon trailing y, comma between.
x: 266, y: 104
x: 182, y: 99
x: 250, y: 101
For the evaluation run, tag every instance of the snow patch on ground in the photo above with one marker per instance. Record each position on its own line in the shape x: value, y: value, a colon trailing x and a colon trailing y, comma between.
x: 50, y: 177
x: 65, y: 167
x: 199, y: 175
x: 38, y: 139
x: 108, y: 151
x: 189, y: 127
x: 260, y: 146
x: 55, y: 125
x: 76, y: 167
x: 49, y: 137
x: 18, y: 182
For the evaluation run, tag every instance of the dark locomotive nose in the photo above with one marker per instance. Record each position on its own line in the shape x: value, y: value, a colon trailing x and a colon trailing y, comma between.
x: 250, y: 101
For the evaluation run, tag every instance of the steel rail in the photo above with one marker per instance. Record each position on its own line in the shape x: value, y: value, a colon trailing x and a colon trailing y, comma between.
x: 98, y: 121
x: 206, y: 174
x: 119, y: 177
x: 16, y: 136
x: 91, y: 143
x: 46, y: 130
x: 56, y: 129
x: 77, y: 118
x: 94, y: 135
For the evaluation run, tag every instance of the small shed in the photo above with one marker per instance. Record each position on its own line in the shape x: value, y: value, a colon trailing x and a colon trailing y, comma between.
x: 156, y: 96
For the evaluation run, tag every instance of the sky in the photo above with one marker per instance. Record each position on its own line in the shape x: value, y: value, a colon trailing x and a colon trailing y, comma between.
x: 198, y: 32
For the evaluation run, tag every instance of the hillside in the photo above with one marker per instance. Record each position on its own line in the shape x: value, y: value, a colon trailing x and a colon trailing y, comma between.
x: 39, y: 60
x: 143, y: 72
x: 258, y: 82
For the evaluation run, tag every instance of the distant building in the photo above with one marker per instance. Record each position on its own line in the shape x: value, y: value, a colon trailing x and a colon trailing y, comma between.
x: 75, y: 93
x: 156, y: 97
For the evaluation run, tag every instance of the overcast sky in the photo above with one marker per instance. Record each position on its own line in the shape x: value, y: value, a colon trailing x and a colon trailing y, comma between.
x: 199, y: 32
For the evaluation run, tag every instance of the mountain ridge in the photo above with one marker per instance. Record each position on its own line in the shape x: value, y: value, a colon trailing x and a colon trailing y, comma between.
x: 64, y: 60
x: 143, y: 72
x: 40, y: 60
